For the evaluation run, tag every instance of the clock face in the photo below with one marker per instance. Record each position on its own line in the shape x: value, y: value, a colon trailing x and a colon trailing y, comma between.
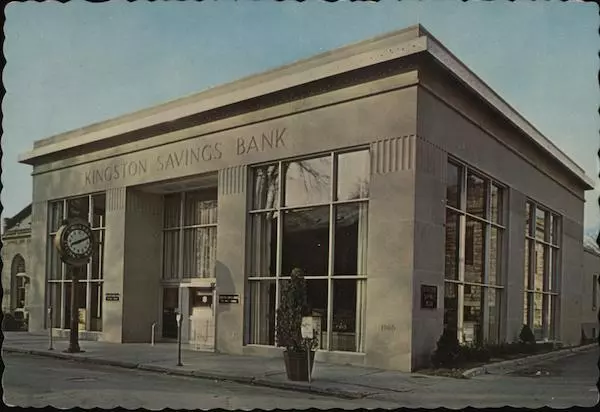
x: 76, y: 243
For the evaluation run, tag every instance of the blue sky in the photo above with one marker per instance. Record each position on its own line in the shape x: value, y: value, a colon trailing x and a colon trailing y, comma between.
x: 69, y: 65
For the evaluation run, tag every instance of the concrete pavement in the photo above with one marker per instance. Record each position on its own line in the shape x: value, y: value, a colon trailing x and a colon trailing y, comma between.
x: 350, y: 382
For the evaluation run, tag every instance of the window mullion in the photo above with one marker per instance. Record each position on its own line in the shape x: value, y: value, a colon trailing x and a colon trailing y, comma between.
x: 278, y: 258
x: 331, y: 257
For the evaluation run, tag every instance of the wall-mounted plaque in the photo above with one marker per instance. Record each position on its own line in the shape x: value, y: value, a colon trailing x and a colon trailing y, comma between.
x: 428, y: 297
x: 229, y: 298
x: 112, y: 297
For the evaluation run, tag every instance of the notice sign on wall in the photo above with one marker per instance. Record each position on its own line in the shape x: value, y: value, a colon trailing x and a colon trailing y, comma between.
x: 112, y: 297
x: 428, y: 297
x: 229, y: 298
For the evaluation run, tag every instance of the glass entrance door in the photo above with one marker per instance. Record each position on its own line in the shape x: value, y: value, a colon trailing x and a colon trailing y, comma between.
x: 169, y: 318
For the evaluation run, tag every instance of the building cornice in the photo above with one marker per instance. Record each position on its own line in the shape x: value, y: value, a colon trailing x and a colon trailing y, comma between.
x: 387, y: 48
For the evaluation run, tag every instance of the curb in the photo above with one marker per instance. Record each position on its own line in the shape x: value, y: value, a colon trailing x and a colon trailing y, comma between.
x: 338, y: 393
x: 521, y: 362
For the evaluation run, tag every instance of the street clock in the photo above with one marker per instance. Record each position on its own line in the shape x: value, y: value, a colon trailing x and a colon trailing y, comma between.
x: 74, y: 241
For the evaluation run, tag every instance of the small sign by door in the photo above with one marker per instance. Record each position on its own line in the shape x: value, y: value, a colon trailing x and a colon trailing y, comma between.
x: 112, y: 297
x: 428, y: 297
x: 229, y: 298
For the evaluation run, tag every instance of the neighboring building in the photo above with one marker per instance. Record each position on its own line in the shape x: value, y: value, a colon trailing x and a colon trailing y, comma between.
x: 411, y: 194
x: 590, y: 294
x: 16, y: 241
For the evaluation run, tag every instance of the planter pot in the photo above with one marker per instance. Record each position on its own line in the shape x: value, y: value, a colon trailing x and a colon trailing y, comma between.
x: 295, y: 365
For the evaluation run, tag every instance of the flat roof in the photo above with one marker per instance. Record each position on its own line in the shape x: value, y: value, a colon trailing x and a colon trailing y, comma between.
x: 392, y: 46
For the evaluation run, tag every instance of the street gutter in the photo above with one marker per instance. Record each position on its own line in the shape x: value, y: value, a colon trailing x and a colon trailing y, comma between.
x: 508, y: 366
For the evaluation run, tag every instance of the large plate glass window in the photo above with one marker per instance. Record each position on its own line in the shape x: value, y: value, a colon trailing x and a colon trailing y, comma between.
x: 91, y: 208
x: 542, y: 270
x: 474, y: 255
x: 311, y: 214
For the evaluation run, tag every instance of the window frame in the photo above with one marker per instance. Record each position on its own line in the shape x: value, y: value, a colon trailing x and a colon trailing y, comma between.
x: 279, y: 209
x: 89, y: 281
x: 464, y: 171
x: 552, y: 269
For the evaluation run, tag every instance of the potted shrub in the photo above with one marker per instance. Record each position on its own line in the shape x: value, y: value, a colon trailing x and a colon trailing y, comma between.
x: 292, y: 307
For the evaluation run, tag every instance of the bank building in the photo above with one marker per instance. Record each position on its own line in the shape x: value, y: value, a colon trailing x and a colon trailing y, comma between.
x: 414, y: 198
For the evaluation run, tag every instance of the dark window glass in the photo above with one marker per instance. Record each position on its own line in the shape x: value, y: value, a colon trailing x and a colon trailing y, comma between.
x: 79, y: 208
x: 306, y: 241
x: 528, y: 219
x: 56, y: 215
x: 172, y: 210
x: 308, y: 182
x: 476, y: 195
x: 266, y: 187
x: 452, y: 244
x: 98, y: 254
x: 56, y: 303
x: 171, y: 254
x: 474, y: 251
x: 316, y: 291
x: 263, y: 244
x: 540, y: 224
x: 540, y: 254
x: 99, y: 202
x: 497, y: 203
x: 495, y: 256
x: 350, y: 239
x: 96, y: 309
x: 353, y: 175
x: 453, y: 185
x: 451, y: 308
x: 262, y: 312
x: 473, y: 315
x: 346, y: 325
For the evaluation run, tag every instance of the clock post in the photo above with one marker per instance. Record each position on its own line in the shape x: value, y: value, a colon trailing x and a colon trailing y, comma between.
x: 75, y: 244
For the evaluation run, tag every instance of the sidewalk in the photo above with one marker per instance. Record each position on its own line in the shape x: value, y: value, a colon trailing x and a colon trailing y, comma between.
x: 327, y: 379
x: 352, y: 382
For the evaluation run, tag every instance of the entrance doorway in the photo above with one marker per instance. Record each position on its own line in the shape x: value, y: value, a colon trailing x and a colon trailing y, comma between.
x: 202, y: 315
x: 169, y: 317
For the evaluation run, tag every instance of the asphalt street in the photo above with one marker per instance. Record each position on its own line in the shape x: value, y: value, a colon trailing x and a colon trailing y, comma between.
x: 38, y: 381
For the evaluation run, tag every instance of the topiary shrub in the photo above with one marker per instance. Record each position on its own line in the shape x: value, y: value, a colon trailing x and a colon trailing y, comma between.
x: 289, y: 315
x: 526, y: 336
x: 448, y: 350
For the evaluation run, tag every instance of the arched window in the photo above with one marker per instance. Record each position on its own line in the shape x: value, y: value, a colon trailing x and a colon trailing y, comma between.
x: 17, y: 268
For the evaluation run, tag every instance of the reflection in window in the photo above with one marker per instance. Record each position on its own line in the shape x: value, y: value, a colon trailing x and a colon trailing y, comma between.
x: 540, y: 224
x: 496, y: 202
x: 308, y: 182
x: 495, y: 256
x: 474, y: 251
x: 262, y: 316
x: 353, y: 175
x: 263, y: 244
x: 541, y: 290
x: 266, y: 187
x: 78, y: 207
x: 473, y: 274
x: 473, y: 315
x: 476, y: 195
x: 298, y: 232
x: 91, y: 208
x: 306, y: 241
x: 451, y: 307
x: 452, y: 243
x: 453, y: 186
x: 348, y: 322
